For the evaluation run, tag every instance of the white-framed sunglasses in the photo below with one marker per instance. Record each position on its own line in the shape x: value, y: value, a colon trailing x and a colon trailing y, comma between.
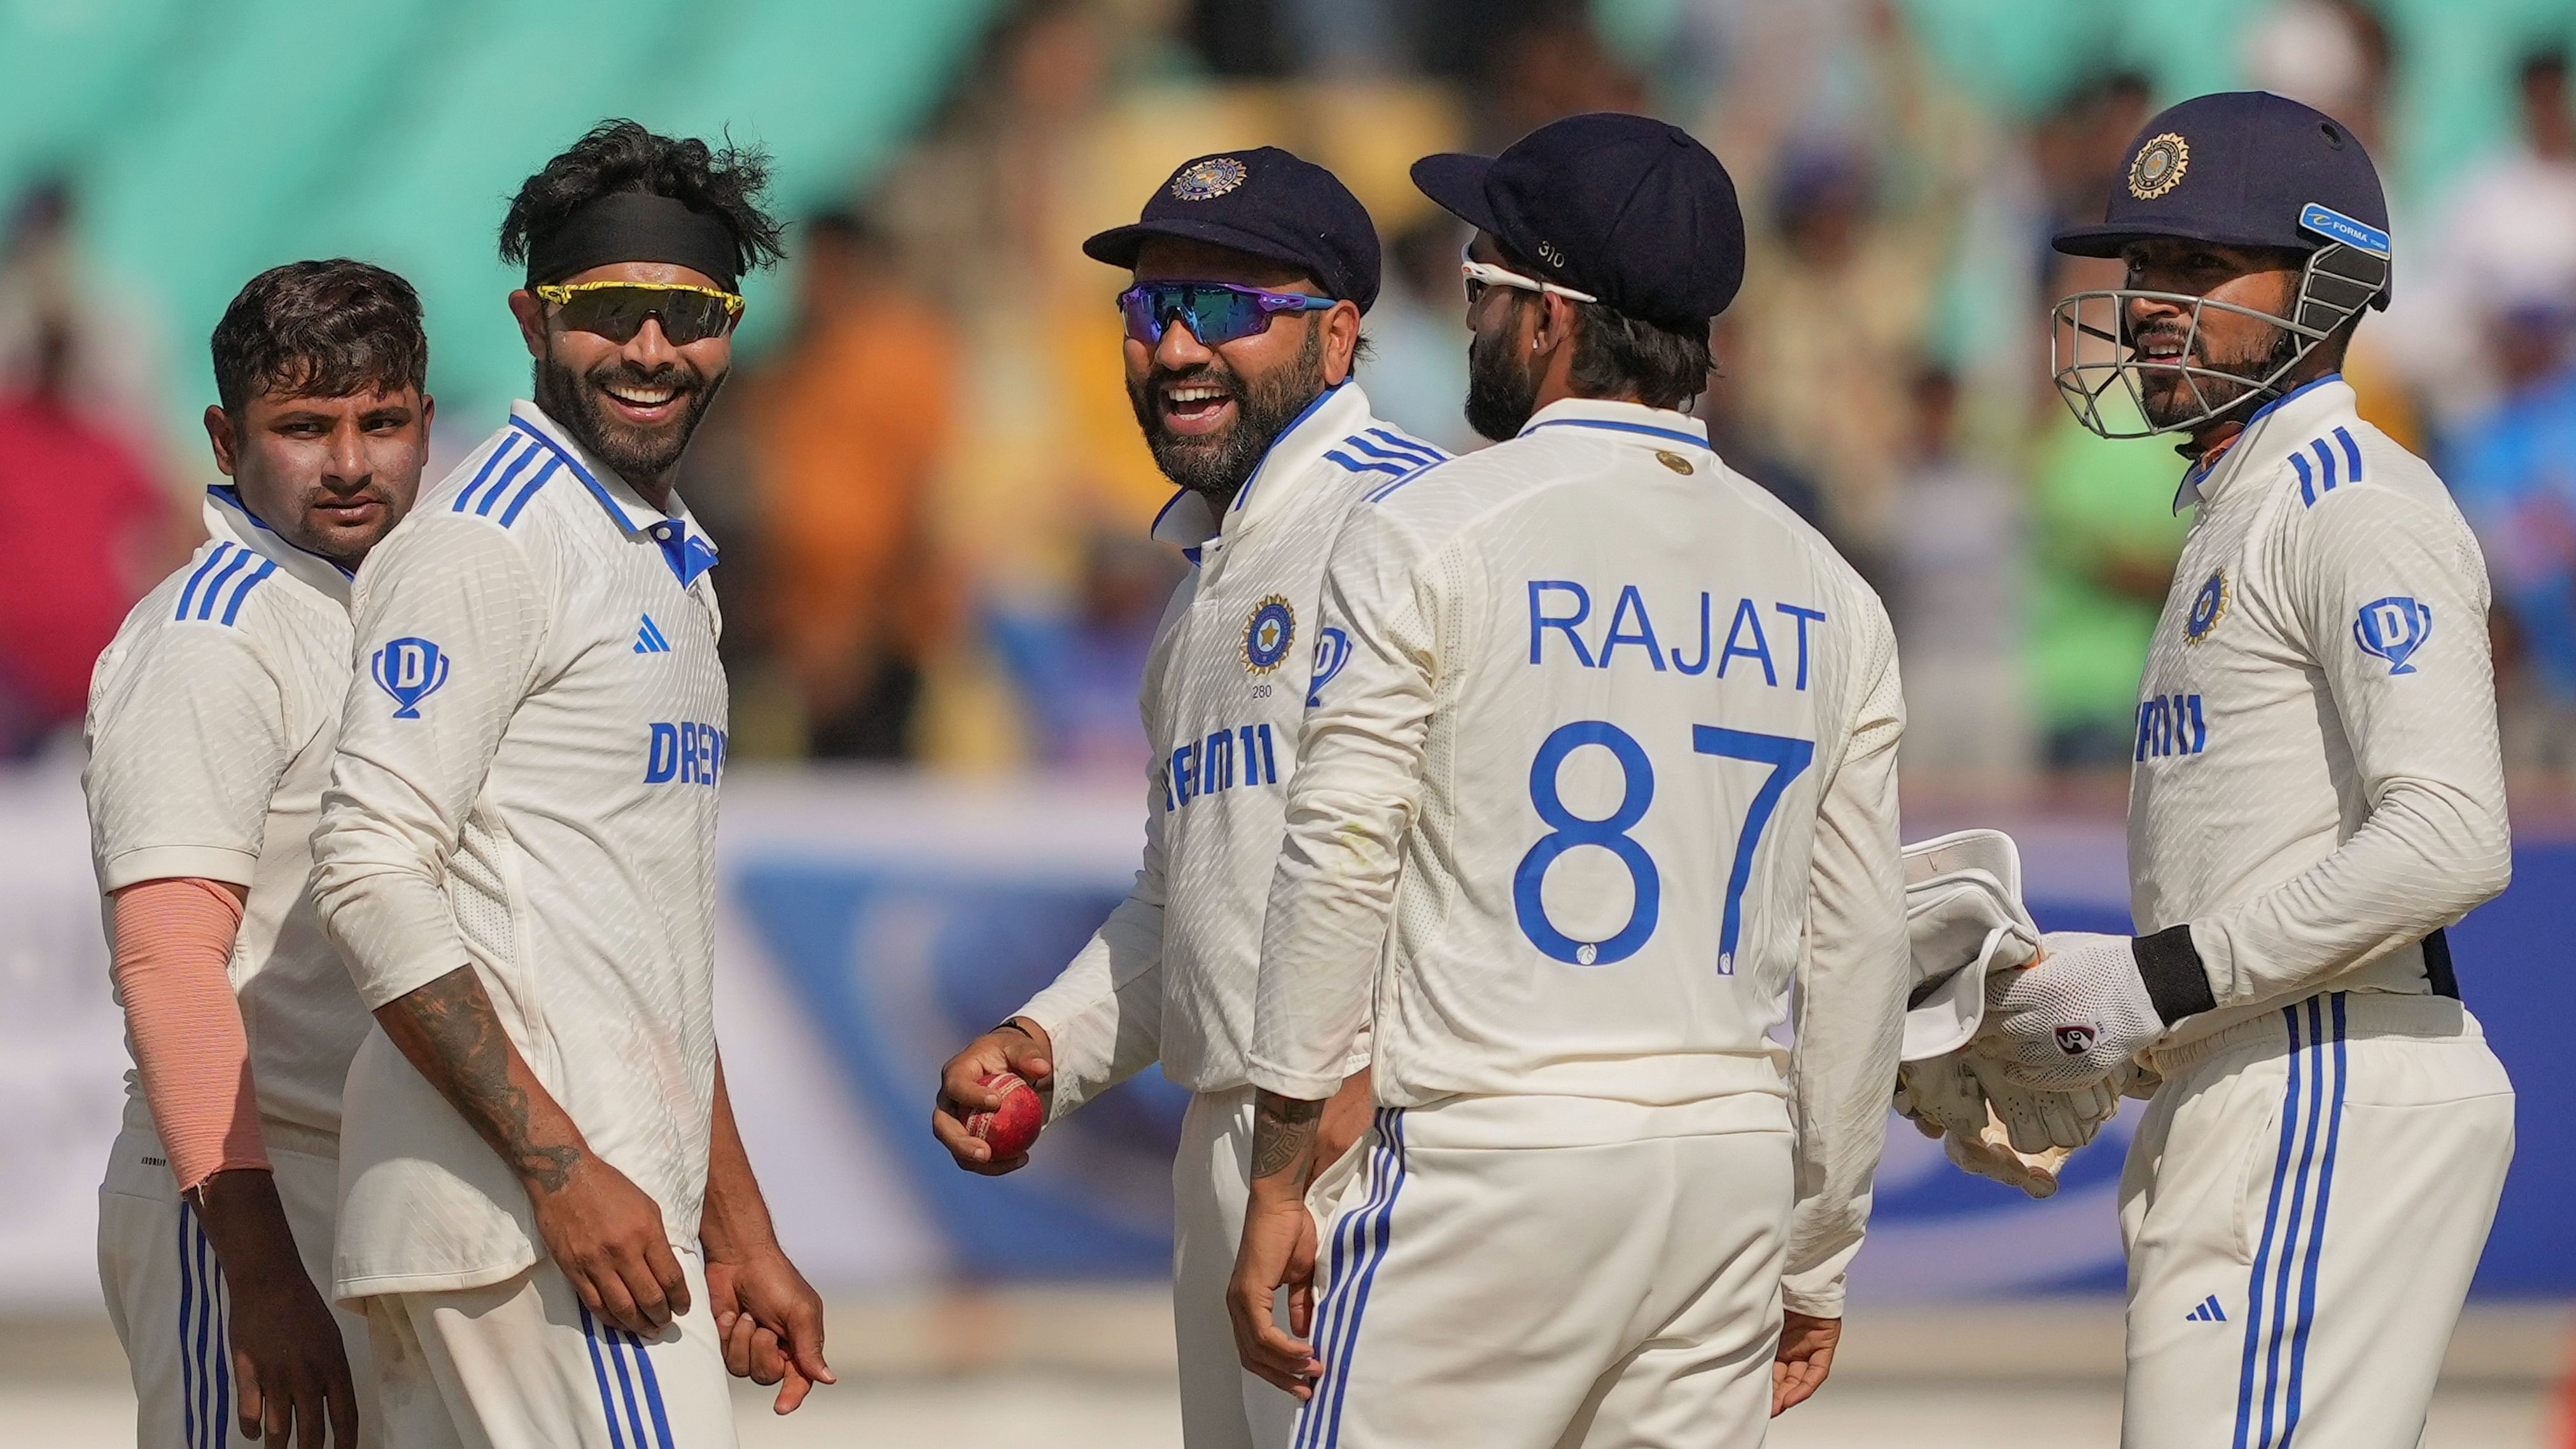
x: 1481, y: 275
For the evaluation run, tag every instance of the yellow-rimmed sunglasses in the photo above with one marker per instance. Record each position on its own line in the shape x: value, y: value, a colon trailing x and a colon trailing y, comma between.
x: 616, y: 310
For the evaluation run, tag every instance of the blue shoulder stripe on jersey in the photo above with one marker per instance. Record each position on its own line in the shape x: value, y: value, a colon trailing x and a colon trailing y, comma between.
x: 249, y: 582
x: 2351, y: 454
x: 502, y: 456
x: 1356, y: 466
x: 188, y: 595
x: 1360, y: 443
x: 1402, y: 444
x: 2325, y: 461
x: 1385, y: 490
x: 501, y: 485
x: 2307, y: 479
x: 215, y: 585
x: 510, y: 514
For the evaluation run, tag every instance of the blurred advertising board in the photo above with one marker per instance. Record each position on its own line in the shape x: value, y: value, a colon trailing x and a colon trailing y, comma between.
x: 874, y: 922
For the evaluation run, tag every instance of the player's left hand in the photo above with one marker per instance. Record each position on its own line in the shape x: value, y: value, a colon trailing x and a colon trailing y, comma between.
x: 770, y: 1321
x: 2072, y: 1017
x: 1806, y: 1355
x: 1278, y: 1248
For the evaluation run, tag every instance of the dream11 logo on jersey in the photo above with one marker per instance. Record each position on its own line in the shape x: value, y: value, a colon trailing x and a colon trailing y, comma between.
x: 2393, y: 629
x: 410, y: 670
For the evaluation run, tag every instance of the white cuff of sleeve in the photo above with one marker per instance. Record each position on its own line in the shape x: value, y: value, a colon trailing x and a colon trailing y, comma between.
x: 396, y: 935
x: 1813, y: 1295
x: 177, y: 862
x: 1296, y: 1086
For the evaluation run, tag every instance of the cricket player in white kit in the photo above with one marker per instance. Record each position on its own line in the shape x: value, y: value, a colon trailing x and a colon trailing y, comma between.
x: 546, y: 1213
x: 1252, y: 271
x: 211, y: 723
x: 1611, y: 767
x: 2316, y: 792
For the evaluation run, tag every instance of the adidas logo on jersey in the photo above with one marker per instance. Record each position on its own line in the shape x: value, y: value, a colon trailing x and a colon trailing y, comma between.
x: 649, y: 640
x: 2207, y: 1312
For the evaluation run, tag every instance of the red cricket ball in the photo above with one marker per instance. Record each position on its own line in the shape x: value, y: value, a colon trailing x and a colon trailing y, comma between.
x: 1010, y: 1128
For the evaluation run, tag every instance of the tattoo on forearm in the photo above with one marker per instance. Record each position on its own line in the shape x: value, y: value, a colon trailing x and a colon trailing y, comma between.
x: 1283, y: 1132
x: 452, y: 1023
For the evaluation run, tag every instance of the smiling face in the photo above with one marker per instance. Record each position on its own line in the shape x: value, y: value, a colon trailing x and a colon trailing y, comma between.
x: 330, y: 474
x: 1211, y: 413
x: 632, y: 404
x: 2261, y: 279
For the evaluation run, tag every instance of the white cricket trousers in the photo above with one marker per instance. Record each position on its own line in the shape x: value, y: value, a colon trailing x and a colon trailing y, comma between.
x: 521, y: 1364
x: 167, y: 1296
x: 1620, y: 1294
x: 1222, y: 1405
x: 2305, y: 1201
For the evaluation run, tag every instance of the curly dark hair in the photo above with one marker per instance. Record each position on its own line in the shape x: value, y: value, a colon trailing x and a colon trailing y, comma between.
x: 621, y: 155
x: 320, y: 329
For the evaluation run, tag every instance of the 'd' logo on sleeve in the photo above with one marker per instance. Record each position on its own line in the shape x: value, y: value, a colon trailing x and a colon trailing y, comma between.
x: 2393, y: 629
x: 410, y: 670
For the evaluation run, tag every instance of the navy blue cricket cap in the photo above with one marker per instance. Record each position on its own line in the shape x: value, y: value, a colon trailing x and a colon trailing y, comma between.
x: 1627, y: 208
x: 2246, y: 169
x: 1264, y: 201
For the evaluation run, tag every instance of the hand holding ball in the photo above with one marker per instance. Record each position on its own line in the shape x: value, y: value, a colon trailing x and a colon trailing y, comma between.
x: 1012, y: 1127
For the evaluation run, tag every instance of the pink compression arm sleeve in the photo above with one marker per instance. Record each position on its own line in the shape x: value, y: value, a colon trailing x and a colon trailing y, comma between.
x: 174, y: 939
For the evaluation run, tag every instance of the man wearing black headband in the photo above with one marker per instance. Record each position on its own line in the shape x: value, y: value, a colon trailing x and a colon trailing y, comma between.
x: 547, y: 1214
x: 1250, y: 271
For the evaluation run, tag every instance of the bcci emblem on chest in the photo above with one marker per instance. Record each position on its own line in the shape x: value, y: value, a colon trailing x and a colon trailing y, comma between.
x: 410, y: 670
x: 1267, y: 634
x: 2393, y: 629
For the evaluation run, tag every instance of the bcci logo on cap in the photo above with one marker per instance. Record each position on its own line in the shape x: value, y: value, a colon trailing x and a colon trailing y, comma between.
x: 1207, y: 180
x: 2393, y: 629
x: 410, y: 670
x: 2159, y: 166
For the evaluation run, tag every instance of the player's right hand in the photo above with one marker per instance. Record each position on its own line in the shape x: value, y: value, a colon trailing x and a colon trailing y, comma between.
x: 606, y: 1235
x: 1020, y: 1047
x: 287, y: 1359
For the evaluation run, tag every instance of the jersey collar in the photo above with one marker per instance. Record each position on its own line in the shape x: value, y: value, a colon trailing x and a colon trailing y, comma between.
x: 687, y: 550
x: 1276, y: 481
x: 1626, y: 421
x: 2271, y: 433
x: 227, y: 516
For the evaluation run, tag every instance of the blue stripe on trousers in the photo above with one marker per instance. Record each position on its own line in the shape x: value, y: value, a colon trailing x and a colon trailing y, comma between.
x: 626, y: 1388
x: 2263, y: 1253
x: 1328, y: 1314
x: 599, y: 1371
x: 2312, y: 1109
x: 2316, y: 1228
x: 187, y: 1315
x: 652, y: 1392
x: 1385, y: 1224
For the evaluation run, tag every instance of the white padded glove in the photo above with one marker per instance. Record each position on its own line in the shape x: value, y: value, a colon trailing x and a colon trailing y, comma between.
x: 2072, y: 1019
x: 2036, y: 1120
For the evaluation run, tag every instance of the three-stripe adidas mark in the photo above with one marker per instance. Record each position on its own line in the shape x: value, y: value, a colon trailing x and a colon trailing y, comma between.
x: 2207, y: 1312
x: 2321, y: 478
x: 649, y: 640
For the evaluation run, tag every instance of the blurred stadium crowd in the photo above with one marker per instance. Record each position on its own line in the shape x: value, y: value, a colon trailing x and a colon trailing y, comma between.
x: 933, y: 502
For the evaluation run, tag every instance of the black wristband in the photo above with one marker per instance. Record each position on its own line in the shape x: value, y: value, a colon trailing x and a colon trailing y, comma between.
x: 1013, y: 1024
x: 2170, y: 965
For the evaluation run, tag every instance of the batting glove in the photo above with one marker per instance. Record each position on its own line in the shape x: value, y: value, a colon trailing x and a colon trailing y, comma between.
x: 2090, y: 1004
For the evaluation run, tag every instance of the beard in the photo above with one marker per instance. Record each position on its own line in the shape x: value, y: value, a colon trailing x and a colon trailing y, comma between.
x: 637, y: 454
x: 1215, y: 465
x: 2173, y: 399
x: 1501, y: 394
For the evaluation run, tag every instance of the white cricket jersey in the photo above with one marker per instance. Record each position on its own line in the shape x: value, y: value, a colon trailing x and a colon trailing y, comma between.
x: 1170, y: 974
x: 1614, y: 750
x: 211, y: 722
x: 2316, y: 784
x: 526, y: 782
